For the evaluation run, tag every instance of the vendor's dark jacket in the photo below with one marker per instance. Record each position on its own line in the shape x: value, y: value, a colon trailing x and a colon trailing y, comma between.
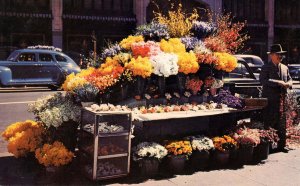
x: 270, y: 71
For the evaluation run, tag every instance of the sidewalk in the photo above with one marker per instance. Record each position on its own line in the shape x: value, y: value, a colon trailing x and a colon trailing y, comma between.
x: 280, y: 169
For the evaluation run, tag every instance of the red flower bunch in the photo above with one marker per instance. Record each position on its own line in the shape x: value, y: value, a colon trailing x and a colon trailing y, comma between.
x: 209, y: 81
x: 102, y: 82
x: 145, y: 49
x: 194, y: 85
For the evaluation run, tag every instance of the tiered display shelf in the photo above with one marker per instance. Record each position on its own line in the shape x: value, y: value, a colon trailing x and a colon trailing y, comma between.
x: 104, y: 153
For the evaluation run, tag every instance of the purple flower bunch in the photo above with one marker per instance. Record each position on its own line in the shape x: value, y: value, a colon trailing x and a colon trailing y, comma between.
x: 202, y: 29
x: 153, y: 31
x: 191, y: 42
x: 228, y: 99
x: 111, y: 51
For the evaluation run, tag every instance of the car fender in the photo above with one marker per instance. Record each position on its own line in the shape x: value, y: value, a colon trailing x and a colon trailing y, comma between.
x: 5, y: 75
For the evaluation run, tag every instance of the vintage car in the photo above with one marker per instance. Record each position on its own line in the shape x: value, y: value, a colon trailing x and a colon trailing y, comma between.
x: 36, y: 67
x: 254, y: 62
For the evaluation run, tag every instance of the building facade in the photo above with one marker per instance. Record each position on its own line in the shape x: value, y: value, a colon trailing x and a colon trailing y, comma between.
x: 68, y: 24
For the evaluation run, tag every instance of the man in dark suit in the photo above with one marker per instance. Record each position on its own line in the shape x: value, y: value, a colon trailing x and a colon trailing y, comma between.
x: 275, y: 79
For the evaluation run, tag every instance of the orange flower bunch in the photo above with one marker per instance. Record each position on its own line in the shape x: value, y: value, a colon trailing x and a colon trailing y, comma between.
x: 226, y: 62
x: 111, y: 67
x: 179, y: 148
x: 53, y: 155
x: 23, y: 137
x: 206, y: 58
x: 127, y: 42
x: 187, y: 62
x: 224, y: 143
x: 215, y: 44
x: 194, y: 85
x: 72, y: 81
x: 102, y: 82
x: 141, y: 66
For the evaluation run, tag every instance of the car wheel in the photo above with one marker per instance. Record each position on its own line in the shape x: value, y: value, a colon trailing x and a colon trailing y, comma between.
x: 54, y: 87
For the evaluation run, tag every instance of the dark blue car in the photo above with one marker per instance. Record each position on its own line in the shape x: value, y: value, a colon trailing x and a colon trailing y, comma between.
x: 32, y: 67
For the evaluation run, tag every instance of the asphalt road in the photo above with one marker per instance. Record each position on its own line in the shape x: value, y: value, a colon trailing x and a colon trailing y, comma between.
x: 13, y: 106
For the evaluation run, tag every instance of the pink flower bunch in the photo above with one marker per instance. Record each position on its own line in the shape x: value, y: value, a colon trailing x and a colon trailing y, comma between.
x: 246, y: 136
x: 150, y: 48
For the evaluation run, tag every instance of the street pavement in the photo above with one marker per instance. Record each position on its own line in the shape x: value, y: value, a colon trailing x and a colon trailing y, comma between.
x: 278, y: 170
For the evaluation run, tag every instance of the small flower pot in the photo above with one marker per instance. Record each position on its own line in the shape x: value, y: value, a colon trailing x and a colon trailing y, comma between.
x: 200, y: 160
x: 261, y: 151
x: 149, y: 167
x: 176, y: 164
x: 246, y: 154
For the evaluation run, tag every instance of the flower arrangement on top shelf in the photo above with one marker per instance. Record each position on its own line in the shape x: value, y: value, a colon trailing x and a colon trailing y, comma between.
x: 149, y: 150
x: 170, y: 44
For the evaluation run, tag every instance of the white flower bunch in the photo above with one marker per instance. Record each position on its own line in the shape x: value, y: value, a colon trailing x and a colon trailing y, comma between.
x: 164, y: 64
x: 202, y: 143
x: 149, y: 150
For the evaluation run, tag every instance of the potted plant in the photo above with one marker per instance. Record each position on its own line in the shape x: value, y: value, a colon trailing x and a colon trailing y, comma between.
x: 267, y: 138
x: 223, y: 145
x: 178, y: 153
x: 247, y: 139
x: 148, y: 155
x: 201, y: 151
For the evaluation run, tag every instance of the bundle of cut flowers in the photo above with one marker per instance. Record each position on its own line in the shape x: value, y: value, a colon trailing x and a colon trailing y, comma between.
x: 149, y: 150
x: 228, y: 99
x: 224, y: 143
x: 246, y: 136
x: 55, y: 154
x: 179, y: 148
x: 164, y: 64
x: 153, y: 31
x: 202, y: 144
x: 269, y: 135
x: 194, y: 84
x: 23, y: 137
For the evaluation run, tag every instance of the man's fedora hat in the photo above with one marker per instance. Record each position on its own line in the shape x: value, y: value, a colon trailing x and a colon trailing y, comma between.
x: 276, y: 48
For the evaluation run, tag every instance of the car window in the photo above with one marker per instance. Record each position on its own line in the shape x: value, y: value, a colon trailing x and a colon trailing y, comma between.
x: 60, y: 58
x: 27, y: 57
x: 253, y: 61
x: 240, y: 71
x: 13, y: 56
x: 45, y: 57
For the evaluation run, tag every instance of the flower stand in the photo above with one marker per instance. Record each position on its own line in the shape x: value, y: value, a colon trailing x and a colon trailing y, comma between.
x: 200, y: 160
x: 261, y: 151
x: 139, y: 85
x: 149, y: 167
x: 161, y: 81
x: 176, y: 164
x: 181, y: 79
x: 246, y: 154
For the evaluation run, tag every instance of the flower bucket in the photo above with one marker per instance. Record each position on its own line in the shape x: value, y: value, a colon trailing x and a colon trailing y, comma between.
x: 200, y: 160
x: 246, y: 154
x: 161, y: 85
x: 149, y: 167
x: 221, y: 158
x: 123, y: 91
x: 139, y: 85
x: 261, y: 151
x: 176, y: 164
x: 181, y: 79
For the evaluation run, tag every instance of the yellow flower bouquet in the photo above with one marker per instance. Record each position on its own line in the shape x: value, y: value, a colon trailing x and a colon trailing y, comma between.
x: 224, y: 143
x: 173, y: 45
x: 127, y: 42
x: 187, y: 62
x: 141, y: 66
x: 225, y: 61
x: 23, y: 137
x: 55, y: 154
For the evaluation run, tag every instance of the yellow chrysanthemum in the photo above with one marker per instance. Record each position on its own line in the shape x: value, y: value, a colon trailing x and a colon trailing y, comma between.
x: 173, y: 45
x: 226, y: 62
x: 187, y: 62
x: 140, y: 66
x: 127, y: 42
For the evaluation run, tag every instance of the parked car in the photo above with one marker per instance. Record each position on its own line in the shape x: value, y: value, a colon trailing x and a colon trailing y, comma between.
x: 254, y: 62
x: 294, y: 71
x: 33, y: 67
